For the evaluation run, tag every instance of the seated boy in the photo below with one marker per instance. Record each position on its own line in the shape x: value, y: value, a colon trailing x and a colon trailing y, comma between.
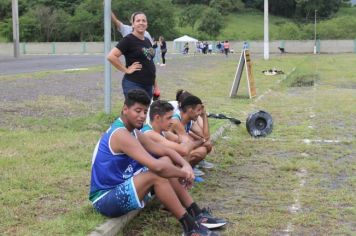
x: 191, y: 108
x: 197, y: 126
x: 161, y: 113
x: 123, y: 172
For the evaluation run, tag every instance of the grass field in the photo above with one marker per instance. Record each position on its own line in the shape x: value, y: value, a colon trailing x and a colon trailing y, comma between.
x: 297, y: 181
x: 246, y: 25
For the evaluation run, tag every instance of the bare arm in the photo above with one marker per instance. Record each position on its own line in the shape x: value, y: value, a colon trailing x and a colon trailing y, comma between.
x: 156, y: 88
x: 116, y: 21
x: 123, y: 141
x: 179, y: 130
x: 206, y: 132
x: 182, y: 148
x: 161, y: 150
x: 114, y: 58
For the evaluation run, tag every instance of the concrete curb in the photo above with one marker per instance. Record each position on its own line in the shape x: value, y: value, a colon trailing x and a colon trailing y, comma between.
x: 112, y: 226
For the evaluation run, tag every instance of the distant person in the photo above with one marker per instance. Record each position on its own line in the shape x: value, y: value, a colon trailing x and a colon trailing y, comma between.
x: 218, y: 46
x: 186, y: 48
x: 163, y: 46
x: 157, y: 58
x: 140, y: 70
x: 124, y: 172
x: 226, y: 48
x: 210, y: 48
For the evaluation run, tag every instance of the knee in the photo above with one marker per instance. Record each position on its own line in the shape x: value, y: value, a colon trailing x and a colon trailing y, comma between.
x: 199, y: 154
x: 166, y: 159
x: 158, y: 180
x: 209, y: 147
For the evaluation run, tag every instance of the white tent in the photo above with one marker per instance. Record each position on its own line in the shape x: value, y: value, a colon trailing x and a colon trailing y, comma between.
x: 178, y: 43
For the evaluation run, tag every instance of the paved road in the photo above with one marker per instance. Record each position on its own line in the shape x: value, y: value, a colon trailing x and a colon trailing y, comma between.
x: 28, y: 64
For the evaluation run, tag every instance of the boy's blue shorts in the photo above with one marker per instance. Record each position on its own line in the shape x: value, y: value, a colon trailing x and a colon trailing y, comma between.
x: 120, y: 200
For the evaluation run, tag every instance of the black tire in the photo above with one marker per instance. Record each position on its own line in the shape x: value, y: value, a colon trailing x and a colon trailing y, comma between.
x: 259, y: 124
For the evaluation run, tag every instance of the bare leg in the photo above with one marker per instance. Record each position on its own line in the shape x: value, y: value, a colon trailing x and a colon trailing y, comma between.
x: 163, y: 189
x: 197, y: 155
x: 181, y: 192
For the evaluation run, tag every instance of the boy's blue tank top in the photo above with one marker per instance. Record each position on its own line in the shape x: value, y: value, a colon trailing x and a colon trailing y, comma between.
x: 110, y: 169
x: 188, y: 126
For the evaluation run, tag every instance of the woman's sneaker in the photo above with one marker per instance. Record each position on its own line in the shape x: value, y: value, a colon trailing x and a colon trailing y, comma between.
x: 206, y: 219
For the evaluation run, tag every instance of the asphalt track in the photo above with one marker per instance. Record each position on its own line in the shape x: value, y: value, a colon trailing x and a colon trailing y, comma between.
x: 34, y: 63
x: 28, y: 64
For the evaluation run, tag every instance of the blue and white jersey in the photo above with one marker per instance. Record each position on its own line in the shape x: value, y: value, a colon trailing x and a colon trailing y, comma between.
x: 146, y: 128
x: 110, y: 169
x: 188, y: 126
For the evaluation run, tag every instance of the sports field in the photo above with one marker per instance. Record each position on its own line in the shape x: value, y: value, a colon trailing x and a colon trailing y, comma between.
x: 297, y: 181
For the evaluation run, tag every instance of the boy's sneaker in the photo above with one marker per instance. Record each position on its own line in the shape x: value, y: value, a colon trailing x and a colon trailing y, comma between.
x: 201, y: 232
x: 198, y: 179
x: 206, y: 165
x: 198, y: 172
x: 206, y: 219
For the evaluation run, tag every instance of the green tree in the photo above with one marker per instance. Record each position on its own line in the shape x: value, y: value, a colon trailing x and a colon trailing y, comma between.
x: 87, y: 22
x: 5, y: 9
x: 226, y: 6
x: 160, y: 15
x: 325, y: 8
x: 288, y: 31
x: 211, y: 22
x: 190, y: 15
x: 29, y: 29
x: 284, y: 8
x: 188, y: 2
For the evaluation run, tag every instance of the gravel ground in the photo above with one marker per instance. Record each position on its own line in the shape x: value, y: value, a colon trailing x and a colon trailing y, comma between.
x: 31, y: 94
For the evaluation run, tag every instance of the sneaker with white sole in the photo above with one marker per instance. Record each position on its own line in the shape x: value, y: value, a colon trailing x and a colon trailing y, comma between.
x: 206, y: 165
x: 206, y: 219
x: 202, y: 231
x: 198, y: 172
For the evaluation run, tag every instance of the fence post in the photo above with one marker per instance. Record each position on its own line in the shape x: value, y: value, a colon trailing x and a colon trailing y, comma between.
x: 282, y: 44
x: 53, y: 48
x: 23, y: 47
x: 84, y: 47
x: 318, y: 46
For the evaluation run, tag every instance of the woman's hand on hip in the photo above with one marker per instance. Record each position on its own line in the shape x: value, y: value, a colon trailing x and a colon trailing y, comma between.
x: 134, y: 67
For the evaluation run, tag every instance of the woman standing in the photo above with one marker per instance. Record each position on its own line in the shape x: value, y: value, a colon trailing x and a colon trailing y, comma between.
x: 163, y: 50
x: 139, y: 71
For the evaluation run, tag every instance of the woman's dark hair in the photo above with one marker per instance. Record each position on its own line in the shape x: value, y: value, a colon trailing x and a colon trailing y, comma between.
x: 181, y: 94
x: 137, y: 96
x: 160, y: 107
x: 135, y: 14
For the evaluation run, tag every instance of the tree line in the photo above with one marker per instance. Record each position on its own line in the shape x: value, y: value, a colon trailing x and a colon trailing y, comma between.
x: 74, y: 20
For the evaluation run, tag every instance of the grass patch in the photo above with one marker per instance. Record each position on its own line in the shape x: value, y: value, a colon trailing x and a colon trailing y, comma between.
x: 45, y: 159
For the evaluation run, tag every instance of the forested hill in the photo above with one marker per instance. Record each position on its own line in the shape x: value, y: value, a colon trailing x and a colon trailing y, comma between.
x: 82, y: 20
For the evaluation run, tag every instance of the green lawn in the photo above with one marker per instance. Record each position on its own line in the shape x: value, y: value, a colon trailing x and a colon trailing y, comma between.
x: 45, y: 160
x: 241, y: 26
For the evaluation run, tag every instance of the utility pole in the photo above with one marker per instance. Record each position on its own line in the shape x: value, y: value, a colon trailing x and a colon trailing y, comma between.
x: 315, y: 31
x: 15, y: 28
x: 107, y: 48
x: 266, y: 31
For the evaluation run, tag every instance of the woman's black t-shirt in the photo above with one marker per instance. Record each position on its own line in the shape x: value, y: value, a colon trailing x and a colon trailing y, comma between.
x: 137, y: 50
x: 164, y: 46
